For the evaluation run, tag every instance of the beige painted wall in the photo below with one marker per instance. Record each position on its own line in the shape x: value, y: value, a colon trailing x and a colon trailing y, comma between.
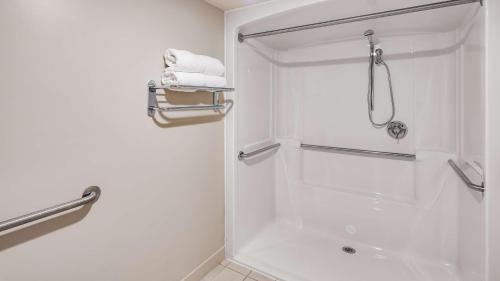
x: 233, y: 4
x: 73, y: 77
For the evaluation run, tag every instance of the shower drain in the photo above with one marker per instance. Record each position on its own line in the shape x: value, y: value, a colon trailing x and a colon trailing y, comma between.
x: 349, y: 250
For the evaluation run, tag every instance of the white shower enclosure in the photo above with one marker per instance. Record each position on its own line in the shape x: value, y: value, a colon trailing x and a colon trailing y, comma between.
x: 301, y: 214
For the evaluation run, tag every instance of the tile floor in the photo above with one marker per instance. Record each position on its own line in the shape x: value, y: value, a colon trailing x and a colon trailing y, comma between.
x: 228, y: 271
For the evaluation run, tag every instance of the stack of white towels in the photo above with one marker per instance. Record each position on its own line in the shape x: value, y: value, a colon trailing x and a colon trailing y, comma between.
x: 184, y: 68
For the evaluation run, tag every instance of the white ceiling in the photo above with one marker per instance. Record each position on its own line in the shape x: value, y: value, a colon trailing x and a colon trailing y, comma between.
x: 233, y: 4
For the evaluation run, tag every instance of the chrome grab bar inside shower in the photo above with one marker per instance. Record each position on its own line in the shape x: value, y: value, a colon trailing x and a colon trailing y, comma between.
x: 242, y: 155
x: 371, y: 153
x: 465, y: 179
x: 90, y: 195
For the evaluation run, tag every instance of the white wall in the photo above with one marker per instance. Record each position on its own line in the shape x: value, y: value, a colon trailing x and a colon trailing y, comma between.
x: 233, y: 21
x: 73, y: 113
x: 255, y: 193
x: 471, y: 138
x: 493, y: 138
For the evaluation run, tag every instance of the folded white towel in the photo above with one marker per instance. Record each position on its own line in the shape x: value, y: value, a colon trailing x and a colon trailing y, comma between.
x: 185, y: 61
x: 173, y: 78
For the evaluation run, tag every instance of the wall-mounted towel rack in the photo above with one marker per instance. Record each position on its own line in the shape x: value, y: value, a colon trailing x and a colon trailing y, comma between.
x: 363, y: 152
x: 408, y: 10
x: 242, y: 155
x: 463, y: 176
x: 153, y: 102
x: 90, y: 195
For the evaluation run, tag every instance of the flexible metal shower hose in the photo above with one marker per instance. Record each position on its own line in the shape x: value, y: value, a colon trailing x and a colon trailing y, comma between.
x: 370, y: 72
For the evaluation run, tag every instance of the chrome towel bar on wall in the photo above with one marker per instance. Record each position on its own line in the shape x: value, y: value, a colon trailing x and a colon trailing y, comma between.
x: 90, y: 195
x: 242, y: 155
x: 465, y: 179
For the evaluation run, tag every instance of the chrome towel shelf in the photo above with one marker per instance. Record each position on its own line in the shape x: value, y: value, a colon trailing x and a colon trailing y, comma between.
x: 408, y: 10
x: 90, y: 195
x: 363, y: 152
x: 465, y: 179
x: 242, y: 155
x: 153, y: 102
x: 152, y: 84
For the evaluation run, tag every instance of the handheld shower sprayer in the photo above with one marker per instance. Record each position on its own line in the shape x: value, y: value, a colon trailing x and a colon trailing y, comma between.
x: 369, y: 34
x: 376, y: 59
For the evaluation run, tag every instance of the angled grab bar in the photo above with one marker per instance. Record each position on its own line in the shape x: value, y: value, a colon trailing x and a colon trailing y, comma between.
x: 242, y: 155
x: 90, y: 195
x: 465, y: 179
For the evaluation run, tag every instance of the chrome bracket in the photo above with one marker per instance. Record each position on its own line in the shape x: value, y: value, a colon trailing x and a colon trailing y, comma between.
x: 215, y: 100
x: 152, y: 101
x: 88, y: 191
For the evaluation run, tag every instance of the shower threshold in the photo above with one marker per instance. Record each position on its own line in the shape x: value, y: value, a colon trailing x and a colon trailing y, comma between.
x: 297, y: 254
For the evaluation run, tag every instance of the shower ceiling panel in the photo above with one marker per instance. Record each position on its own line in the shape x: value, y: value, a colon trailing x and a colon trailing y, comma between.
x: 432, y: 21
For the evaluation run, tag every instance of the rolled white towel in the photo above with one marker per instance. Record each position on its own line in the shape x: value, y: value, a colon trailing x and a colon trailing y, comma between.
x: 185, y: 61
x: 174, y: 78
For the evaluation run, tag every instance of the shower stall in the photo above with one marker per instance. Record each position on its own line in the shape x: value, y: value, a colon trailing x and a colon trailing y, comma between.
x: 317, y: 192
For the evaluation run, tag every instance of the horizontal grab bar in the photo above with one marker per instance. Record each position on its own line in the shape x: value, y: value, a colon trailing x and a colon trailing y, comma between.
x: 464, y: 177
x: 372, y: 153
x: 90, y: 195
x: 242, y: 155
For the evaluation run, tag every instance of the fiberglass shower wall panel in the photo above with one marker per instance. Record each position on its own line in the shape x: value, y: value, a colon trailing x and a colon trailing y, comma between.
x: 255, y: 187
x: 333, y: 83
x: 319, y: 93
x: 471, y: 226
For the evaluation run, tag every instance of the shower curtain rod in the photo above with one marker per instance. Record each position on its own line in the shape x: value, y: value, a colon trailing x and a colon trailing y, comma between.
x: 408, y: 10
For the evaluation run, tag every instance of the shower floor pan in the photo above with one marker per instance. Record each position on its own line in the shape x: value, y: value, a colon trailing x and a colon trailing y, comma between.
x: 298, y: 254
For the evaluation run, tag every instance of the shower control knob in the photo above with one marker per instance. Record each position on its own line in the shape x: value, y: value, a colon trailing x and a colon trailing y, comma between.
x: 397, y: 130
